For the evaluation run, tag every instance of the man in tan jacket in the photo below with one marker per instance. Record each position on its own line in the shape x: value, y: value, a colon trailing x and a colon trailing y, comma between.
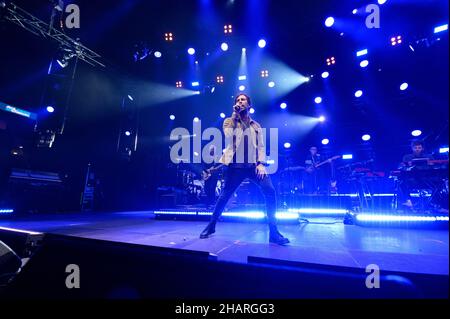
x: 245, y: 158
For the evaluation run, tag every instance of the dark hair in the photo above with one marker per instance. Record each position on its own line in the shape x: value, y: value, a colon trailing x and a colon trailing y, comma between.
x: 417, y: 143
x: 248, y: 98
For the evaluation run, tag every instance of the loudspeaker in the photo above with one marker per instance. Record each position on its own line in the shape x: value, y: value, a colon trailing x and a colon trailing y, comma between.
x: 10, y: 263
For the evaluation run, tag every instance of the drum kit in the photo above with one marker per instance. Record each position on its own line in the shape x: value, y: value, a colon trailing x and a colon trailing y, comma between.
x: 192, y: 181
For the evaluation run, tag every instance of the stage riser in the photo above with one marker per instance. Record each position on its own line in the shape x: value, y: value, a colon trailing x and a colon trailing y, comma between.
x: 117, y: 270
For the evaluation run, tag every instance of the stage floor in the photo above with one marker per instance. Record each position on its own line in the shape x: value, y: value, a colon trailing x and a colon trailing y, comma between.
x: 322, y: 241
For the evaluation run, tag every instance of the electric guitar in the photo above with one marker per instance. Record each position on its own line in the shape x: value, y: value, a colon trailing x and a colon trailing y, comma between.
x: 206, y: 174
x: 312, y: 168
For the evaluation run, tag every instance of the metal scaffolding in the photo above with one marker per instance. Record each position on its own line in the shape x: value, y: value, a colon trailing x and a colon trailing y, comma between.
x: 22, y: 18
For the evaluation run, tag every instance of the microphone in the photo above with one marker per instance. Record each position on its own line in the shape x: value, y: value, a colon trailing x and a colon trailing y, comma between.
x: 236, y: 107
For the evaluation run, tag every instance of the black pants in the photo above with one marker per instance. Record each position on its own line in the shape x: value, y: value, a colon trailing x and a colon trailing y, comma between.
x: 233, y: 178
x: 210, y: 188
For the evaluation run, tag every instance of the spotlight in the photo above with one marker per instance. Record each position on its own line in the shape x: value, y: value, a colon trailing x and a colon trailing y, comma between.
x: 331, y: 61
x: 361, y: 52
x: 283, y: 106
x: 127, y: 133
x: 227, y: 29
x: 157, y: 54
x: 191, y: 51
x: 325, y: 141
x: 287, y: 145
x: 443, y: 150
x: 347, y: 156
x: 404, y: 86
x: 396, y: 40
x: 50, y: 109
x: 242, y: 77
x: 358, y: 93
x: 222, y: 115
x: 195, y: 83
x: 172, y: 117
x: 329, y: 22
x: 325, y: 74
x: 196, y: 119
x: 355, y: 11
x: 224, y: 46
x: 382, y: 1
x: 168, y: 36
x: 271, y: 84
x: 244, y: 50
x: 441, y: 28
x: 364, y: 63
x: 322, y: 118
x: 366, y: 137
x: 264, y: 73
x: 179, y: 84
x: 219, y: 79
x: 318, y: 100
x: 252, y: 110
x: 241, y: 88
x: 416, y: 133
x: 130, y: 98
x: 262, y: 43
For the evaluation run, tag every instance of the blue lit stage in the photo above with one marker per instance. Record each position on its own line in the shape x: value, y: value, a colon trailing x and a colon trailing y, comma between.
x: 323, y: 240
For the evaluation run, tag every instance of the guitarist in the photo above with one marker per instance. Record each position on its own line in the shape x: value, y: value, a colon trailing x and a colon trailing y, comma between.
x: 313, y: 175
x: 210, y: 175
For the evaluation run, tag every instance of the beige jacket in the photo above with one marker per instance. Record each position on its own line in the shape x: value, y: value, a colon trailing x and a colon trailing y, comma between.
x: 234, y: 132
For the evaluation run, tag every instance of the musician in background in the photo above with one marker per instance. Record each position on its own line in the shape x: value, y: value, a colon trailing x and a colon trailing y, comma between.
x: 211, y: 177
x: 405, y: 185
x: 313, y: 180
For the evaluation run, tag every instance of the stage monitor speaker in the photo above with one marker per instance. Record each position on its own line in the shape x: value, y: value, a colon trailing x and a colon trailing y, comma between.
x: 10, y: 263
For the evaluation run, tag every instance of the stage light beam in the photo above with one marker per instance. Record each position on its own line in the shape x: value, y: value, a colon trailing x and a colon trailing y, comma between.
x: 329, y: 22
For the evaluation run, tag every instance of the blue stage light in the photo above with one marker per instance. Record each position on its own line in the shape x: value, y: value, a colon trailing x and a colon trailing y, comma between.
x: 318, y: 100
x: 242, y: 77
x: 441, y: 28
x: 287, y: 145
x: 283, y: 106
x: 443, y: 150
x: 130, y: 98
x: 241, y: 88
x: 329, y: 22
x: 252, y: 110
x: 325, y: 141
x: 50, y: 109
x: 222, y: 115
x: 416, y: 133
x: 321, y: 118
x: 403, y: 86
x: 361, y: 52
x: 224, y: 46
x: 196, y: 119
x: 355, y: 11
x: 127, y: 133
x: 382, y: 1
x: 347, y: 156
x: 172, y: 117
x: 325, y: 74
x: 191, y: 51
x: 366, y: 137
x: 157, y: 54
x: 364, y: 63
x: 358, y: 93
x: 271, y: 84
x: 6, y: 211
x: 262, y: 43
x: 195, y: 83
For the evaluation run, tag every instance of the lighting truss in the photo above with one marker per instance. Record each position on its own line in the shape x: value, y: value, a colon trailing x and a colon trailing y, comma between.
x: 22, y: 18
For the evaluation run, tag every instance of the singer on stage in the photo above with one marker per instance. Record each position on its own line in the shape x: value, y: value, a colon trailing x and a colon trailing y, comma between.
x: 244, y: 157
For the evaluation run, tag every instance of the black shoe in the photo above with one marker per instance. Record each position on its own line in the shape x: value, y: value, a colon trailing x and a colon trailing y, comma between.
x: 277, y: 238
x: 210, y: 229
